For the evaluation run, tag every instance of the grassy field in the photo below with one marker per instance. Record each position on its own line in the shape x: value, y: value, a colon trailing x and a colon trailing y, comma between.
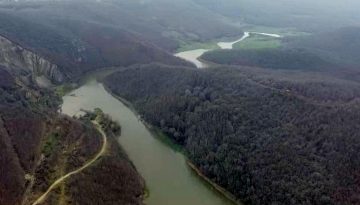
x: 253, y: 42
x: 186, y: 46
x: 275, y: 30
x: 258, y: 42
x: 261, y: 42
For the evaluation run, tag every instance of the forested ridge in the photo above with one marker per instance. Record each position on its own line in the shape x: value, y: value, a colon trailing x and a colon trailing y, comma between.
x: 340, y: 45
x: 111, y: 33
x: 274, y: 58
x: 81, y: 46
x: 264, y: 145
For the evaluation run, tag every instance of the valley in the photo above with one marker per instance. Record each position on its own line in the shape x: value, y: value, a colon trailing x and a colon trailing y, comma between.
x: 194, y: 55
x: 173, y: 102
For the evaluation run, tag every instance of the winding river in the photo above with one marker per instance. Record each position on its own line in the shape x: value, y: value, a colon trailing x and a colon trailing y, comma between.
x: 194, y: 55
x: 168, y: 177
x: 229, y: 45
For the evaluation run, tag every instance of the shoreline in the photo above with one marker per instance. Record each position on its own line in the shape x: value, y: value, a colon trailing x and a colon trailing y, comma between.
x: 192, y: 166
x: 155, y: 132
x: 214, y: 185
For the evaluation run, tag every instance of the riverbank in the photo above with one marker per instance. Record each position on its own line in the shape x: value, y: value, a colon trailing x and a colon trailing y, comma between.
x: 66, y: 88
x: 167, y: 140
x: 194, y: 55
x: 217, y: 187
x: 165, y: 171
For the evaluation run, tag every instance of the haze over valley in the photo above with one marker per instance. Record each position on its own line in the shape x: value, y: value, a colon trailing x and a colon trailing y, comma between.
x: 173, y: 102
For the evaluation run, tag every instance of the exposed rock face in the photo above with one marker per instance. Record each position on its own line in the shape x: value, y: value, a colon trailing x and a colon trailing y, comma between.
x: 24, y: 62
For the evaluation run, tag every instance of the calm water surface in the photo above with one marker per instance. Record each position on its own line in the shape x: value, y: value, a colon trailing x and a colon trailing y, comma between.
x: 168, y: 178
x: 194, y: 55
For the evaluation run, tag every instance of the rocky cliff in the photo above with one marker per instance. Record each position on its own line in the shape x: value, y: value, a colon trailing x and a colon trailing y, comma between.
x: 28, y: 64
x: 38, y: 145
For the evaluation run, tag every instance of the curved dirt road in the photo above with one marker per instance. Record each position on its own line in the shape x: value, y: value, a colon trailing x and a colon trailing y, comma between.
x: 63, y: 178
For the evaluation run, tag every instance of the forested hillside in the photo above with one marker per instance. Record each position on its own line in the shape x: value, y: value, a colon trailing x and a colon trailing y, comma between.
x: 304, y: 15
x: 273, y: 58
x: 38, y: 145
x: 77, y: 46
x: 273, y: 121
x: 265, y: 145
x: 162, y: 22
x: 333, y: 53
x: 341, y: 45
x: 108, y: 33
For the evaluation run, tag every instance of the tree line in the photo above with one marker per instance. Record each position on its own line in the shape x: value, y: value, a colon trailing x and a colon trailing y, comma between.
x: 263, y: 145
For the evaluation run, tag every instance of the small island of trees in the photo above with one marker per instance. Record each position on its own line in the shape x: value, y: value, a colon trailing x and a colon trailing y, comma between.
x: 104, y: 120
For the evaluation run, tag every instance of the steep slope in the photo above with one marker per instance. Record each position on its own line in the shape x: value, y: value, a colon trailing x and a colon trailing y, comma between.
x: 38, y: 145
x: 72, y: 47
x: 162, y: 22
x: 20, y: 137
x: 27, y: 64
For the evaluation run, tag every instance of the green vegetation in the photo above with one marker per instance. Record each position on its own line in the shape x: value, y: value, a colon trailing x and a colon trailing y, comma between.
x: 79, y: 46
x: 146, y: 192
x: 104, y: 120
x: 64, y: 89
x: 249, y: 132
x: 39, y: 143
x: 340, y: 46
x: 167, y: 140
x: 114, y: 180
x: 51, y: 142
x: 286, y: 32
x: 274, y: 58
x: 117, y: 181
x: 185, y: 46
x: 256, y: 41
x: 284, y: 135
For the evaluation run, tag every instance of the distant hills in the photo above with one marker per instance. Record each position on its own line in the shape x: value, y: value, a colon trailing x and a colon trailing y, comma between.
x: 306, y: 15
x: 333, y: 53
x: 79, y: 36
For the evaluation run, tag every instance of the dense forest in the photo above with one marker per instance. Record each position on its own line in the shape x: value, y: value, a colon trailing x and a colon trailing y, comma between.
x: 264, y: 145
x: 340, y: 45
x: 275, y: 58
